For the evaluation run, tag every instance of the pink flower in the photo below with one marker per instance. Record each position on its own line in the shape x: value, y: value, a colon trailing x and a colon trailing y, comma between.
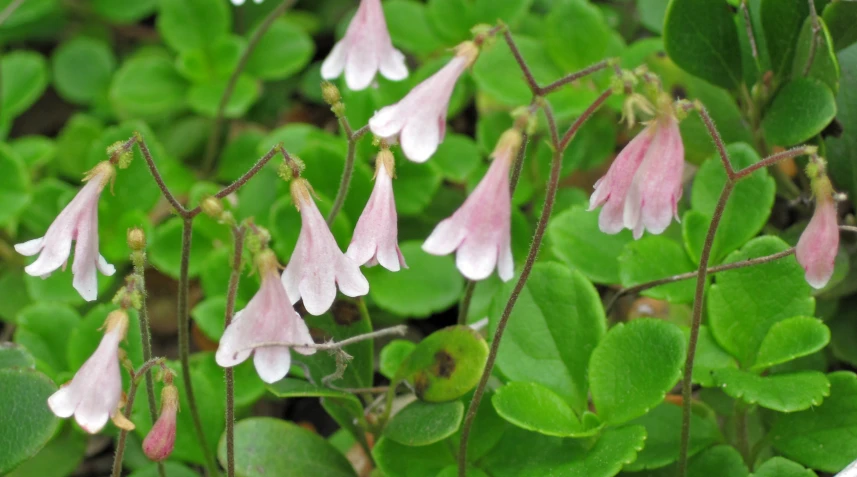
x: 94, y: 393
x: 79, y: 222
x: 268, y: 317
x: 365, y: 50
x: 480, y: 229
x: 642, y: 187
x: 818, y: 244
x: 159, y: 443
x: 317, y: 265
x: 419, y: 119
x: 375, y: 237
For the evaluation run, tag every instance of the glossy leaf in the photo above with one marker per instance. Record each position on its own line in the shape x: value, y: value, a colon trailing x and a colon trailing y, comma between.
x: 15, y: 356
x: 840, y: 17
x: 82, y: 68
x: 399, y: 460
x: 706, y: 48
x: 781, y: 22
x: 780, y: 392
x: 281, y: 52
x: 825, y: 67
x: 188, y: 24
x: 28, y: 422
x: 576, y: 35
x: 801, y: 109
x: 421, y: 423
x: 536, y: 408
x: 790, y: 339
x: 148, y: 86
x: 393, y: 355
x: 655, y: 257
x: 15, y: 187
x: 24, y: 75
x: 781, y: 467
x: 842, y: 150
x: 204, y: 98
x: 709, y: 357
x: 663, y: 431
x: 633, y: 368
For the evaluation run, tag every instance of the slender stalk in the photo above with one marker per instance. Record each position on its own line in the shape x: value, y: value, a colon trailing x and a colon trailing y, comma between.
x: 551, y: 87
x: 715, y: 136
x: 741, y: 433
x: 748, y: 27
x: 567, y: 137
x: 465, y: 302
x: 522, y: 63
x: 771, y: 160
x: 696, y: 321
x: 813, y: 45
x: 535, y: 246
x: 147, y: 155
x: 393, y: 330
x: 214, y: 137
x: 123, y: 434
x: 848, y: 228
x: 686, y: 276
x: 9, y: 10
x: 184, y: 343
x: 347, y: 171
x: 234, y: 278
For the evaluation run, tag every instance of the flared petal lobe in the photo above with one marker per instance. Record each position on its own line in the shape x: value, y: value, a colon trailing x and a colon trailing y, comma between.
x: 375, y: 237
x: 818, y: 244
x: 365, y: 50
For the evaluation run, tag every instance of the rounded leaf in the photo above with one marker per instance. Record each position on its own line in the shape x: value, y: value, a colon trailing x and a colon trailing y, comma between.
x: 536, y: 408
x: 82, y: 68
x: 801, y: 109
x: 422, y: 423
x: 148, y: 86
x: 790, y: 339
x: 27, y: 420
x: 283, y: 50
x: 780, y: 392
x: 24, y: 76
x: 189, y: 24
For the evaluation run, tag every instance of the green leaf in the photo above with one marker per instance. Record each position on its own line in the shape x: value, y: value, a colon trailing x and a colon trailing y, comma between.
x: 576, y: 35
x: 453, y: 19
x: 28, y: 422
x: 780, y: 467
x: 24, y: 76
x: 148, y: 86
x: 259, y: 445
x: 293, y: 387
x: 536, y: 408
x: 14, y: 185
x: 204, y: 98
x: 74, y: 140
x: 430, y: 284
x: 557, y: 322
x: 209, y: 315
x: 119, y: 11
x: 393, y: 355
x: 215, y: 61
x: 43, y: 328
x: 409, y: 27
x: 526, y: 454
x: 790, y: 339
x: 746, y: 212
x: 15, y: 356
x: 399, y: 460
x: 456, y: 158
x: 780, y: 392
x: 652, y: 14
x: 59, y: 458
x: 700, y: 36
x: 189, y: 24
x: 781, y: 22
x: 743, y: 304
x: 654, y: 257
x: 452, y: 471
x: 576, y: 240
x: 82, y: 68
x: 842, y: 150
x: 27, y: 12
x: 421, y: 423
x: 709, y: 356
x: 840, y: 17
x: 824, y: 67
x: 823, y: 437
x: 801, y: 109
x: 415, y: 186
x: 722, y: 461
x: 634, y: 367
x: 170, y: 468
x: 343, y: 321
x: 284, y: 50
x: 36, y: 151
x: 165, y: 248
x: 446, y: 364
x: 663, y: 431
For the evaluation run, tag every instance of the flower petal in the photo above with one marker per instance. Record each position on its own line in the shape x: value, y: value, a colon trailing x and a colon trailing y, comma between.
x: 272, y: 362
x: 334, y: 64
x: 420, y: 138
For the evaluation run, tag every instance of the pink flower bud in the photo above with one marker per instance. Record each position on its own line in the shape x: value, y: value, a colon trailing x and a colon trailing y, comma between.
x: 78, y: 222
x: 317, y: 265
x: 375, y: 237
x: 419, y: 119
x: 365, y: 50
x: 818, y: 244
x: 480, y: 230
x: 642, y: 188
x: 158, y: 444
x: 269, y: 316
x: 95, y: 392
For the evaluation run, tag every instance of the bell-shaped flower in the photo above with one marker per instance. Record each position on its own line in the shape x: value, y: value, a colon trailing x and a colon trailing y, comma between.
x: 78, y: 222
x: 241, y: 2
x: 480, y: 229
x: 643, y: 185
x: 159, y: 442
x: 268, y: 318
x: 365, y: 50
x: 95, y: 392
x: 818, y: 244
x: 375, y: 238
x: 419, y: 119
x: 317, y: 265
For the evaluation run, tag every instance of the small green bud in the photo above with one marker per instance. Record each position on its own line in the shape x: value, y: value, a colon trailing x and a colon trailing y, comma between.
x: 212, y: 207
x: 330, y: 93
x: 136, y: 239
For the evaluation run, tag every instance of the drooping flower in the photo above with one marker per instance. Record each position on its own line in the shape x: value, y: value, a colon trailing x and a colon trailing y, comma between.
x: 159, y: 442
x: 268, y: 317
x: 78, y: 222
x: 419, y: 119
x: 375, y: 237
x: 365, y: 50
x: 95, y: 392
x: 480, y: 229
x: 238, y: 3
x: 317, y: 265
x: 643, y: 185
x: 818, y: 244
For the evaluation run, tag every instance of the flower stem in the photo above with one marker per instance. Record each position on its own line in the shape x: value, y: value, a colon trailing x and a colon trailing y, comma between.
x: 123, y: 434
x: 550, y: 88
x: 535, y: 246
x: 147, y: 155
x: 184, y: 343
x: 464, y: 307
x: 214, y: 137
x: 696, y: 321
x: 771, y: 160
x: 347, y: 171
x: 234, y: 278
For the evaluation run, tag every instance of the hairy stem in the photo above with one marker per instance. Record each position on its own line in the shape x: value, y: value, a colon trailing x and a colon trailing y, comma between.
x: 393, y: 330
x: 214, y: 137
x: 522, y: 63
x: 234, y: 278
x: 119, y: 456
x: 241, y: 180
x: 813, y: 45
x: 715, y: 136
x: 464, y: 307
x: 550, y: 88
x: 771, y: 160
x: 347, y: 171
x: 535, y: 246
x: 147, y: 155
x: 696, y: 321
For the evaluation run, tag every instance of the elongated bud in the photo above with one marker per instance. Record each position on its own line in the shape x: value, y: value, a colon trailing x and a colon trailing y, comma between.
x: 159, y: 443
x: 330, y: 93
x: 136, y: 239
